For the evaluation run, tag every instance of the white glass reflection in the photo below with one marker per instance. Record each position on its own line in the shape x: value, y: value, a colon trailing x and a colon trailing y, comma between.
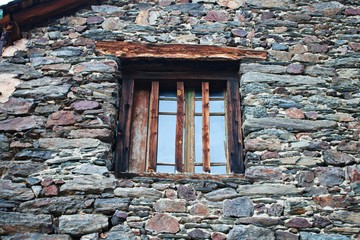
x: 198, y: 139
x: 167, y: 106
x: 166, y: 139
x: 165, y: 169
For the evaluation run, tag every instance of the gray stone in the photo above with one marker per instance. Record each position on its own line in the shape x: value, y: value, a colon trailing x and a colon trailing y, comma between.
x: 37, y: 236
x: 330, y: 177
x: 21, y: 123
x: 320, y: 236
x: 90, y: 169
x: 33, y: 154
x: 110, y: 205
x: 282, y: 235
x: 102, y: 134
x: 13, y: 222
x: 250, y: 233
x: 289, y: 80
x: 138, y: 192
x: 113, y: 24
x: 335, y: 158
x: 38, y: 61
x: 4, y: 143
x: 15, y: 191
x: 61, y: 143
x: 208, y: 28
x: 221, y: 194
x: 122, y: 232
x: 55, y: 206
x: 67, y: 52
x: 268, y: 189
x: 169, y: 205
x: 328, y: 9
x: 238, y: 207
x: 262, y: 68
x: 47, y: 92
x: 186, y: 192
x: 254, y: 124
x: 23, y: 72
x: 279, y: 47
x: 108, y: 9
x: 317, y: 70
x: 88, y: 184
x: 263, y: 173
x: 81, y: 224
x: 103, y: 67
x: 346, y: 217
x: 260, y: 221
x: 199, y: 234
x: 24, y: 169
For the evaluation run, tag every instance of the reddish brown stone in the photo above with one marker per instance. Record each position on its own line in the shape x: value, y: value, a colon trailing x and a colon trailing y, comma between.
x: 295, y: 68
x: 163, y: 223
x: 298, y: 223
x: 18, y: 144
x: 349, y: 146
x: 85, y: 105
x: 168, y: 205
x: 217, y: 16
x: 218, y: 236
x: 318, y: 48
x: 334, y: 201
x: 61, y: 118
x: 353, y: 173
x: 50, y: 191
x: 186, y: 192
x: 16, y: 106
x: 268, y: 155
x: 295, y: 113
x: 352, y: 11
x: 47, y: 182
x: 355, y: 46
x: 199, y: 209
x: 312, y: 115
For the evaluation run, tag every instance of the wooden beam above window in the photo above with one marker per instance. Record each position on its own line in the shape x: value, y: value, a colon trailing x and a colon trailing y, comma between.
x: 131, y: 50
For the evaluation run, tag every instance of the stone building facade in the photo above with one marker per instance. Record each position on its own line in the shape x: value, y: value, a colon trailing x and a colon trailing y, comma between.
x: 300, y: 110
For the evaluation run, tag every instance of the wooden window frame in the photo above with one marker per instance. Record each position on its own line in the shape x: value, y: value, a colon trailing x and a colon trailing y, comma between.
x: 203, y: 71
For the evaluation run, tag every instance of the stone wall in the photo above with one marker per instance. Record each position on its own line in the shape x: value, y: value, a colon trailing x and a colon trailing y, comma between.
x: 301, y: 126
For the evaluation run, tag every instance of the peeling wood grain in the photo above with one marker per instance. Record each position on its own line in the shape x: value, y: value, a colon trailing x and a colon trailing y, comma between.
x: 139, y: 129
x: 189, y: 146
x: 179, y: 127
x: 205, y: 127
x: 151, y: 155
x: 176, y: 51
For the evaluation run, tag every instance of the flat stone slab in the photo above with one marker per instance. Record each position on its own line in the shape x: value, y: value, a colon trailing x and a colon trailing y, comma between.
x: 138, y: 192
x: 49, y: 92
x: 268, y: 189
x: 253, y: 124
x: 15, y: 191
x: 21, y: 123
x: 61, y: 143
x: 289, y: 80
x: 81, y: 224
x: 38, y: 236
x: 13, y: 222
x: 88, y: 184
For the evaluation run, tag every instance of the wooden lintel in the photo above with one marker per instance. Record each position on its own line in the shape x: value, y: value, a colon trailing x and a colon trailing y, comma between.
x: 183, y: 176
x: 131, y: 50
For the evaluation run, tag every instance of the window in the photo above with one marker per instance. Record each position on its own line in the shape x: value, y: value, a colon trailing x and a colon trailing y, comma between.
x: 179, y: 116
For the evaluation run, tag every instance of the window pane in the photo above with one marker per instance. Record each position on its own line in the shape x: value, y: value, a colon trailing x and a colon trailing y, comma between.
x: 198, y: 106
x: 217, y: 106
x: 166, y: 139
x: 198, y: 169
x: 198, y: 139
x: 217, y: 139
x: 167, y: 94
x: 167, y: 106
x: 218, y: 170
x: 165, y: 169
x: 216, y: 93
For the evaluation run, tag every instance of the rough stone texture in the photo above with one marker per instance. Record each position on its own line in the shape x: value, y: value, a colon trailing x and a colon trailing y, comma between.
x: 37, y: 236
x: 300, y: 112
x: 12, y: 222
x: 77, y: 225
x: 238, y: 207
x: 163, y: 223
x: 250, y: 232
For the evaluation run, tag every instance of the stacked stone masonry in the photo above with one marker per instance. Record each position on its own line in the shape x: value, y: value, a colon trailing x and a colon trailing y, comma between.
x: 300, y: 122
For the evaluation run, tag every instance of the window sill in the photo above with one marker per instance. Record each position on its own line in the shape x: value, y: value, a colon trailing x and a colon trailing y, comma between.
x: 180, y: 176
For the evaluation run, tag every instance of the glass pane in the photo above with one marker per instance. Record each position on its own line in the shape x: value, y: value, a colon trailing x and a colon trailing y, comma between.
x: 217, y: 106
x: 166, y: 139
x: 217, y: 139
x: 198, y: 169
x: 198, y: 106
x: 218, y: 170
x: 165, y: 169
x: 198, y: 139
x: 167, y: 106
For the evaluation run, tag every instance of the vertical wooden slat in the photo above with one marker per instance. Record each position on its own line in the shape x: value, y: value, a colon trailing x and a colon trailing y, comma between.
x: 228, y: 167
x: 139, y: 129
x: 123, y: 128
x: 189, y: 144
x: 179, y: 127
x: 153, y: 127
x: 205, y: 127
x: 234, y: 128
